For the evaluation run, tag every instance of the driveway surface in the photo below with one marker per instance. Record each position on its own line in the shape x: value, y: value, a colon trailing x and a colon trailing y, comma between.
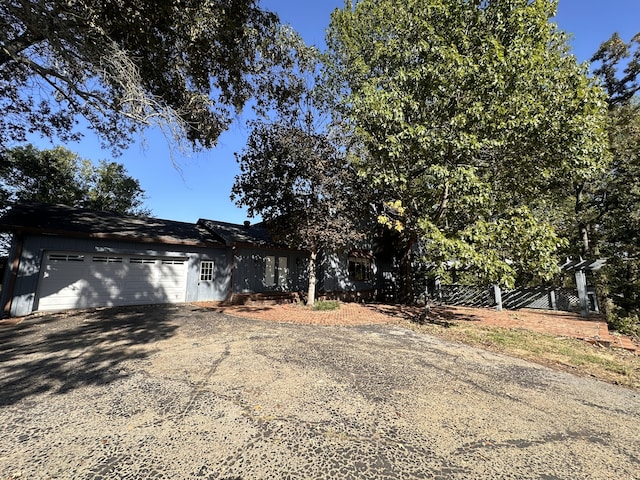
x: 184, y: 392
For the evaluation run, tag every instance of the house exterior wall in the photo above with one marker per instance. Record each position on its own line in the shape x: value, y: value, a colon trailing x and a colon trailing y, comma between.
x: 250, y: 266
x: 34, y: 247
x: 334, y: 275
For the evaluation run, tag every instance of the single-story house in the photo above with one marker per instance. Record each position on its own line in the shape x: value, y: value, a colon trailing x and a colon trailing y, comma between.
x: 63, y: 258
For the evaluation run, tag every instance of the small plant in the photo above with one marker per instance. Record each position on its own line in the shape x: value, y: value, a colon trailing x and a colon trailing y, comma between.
x: 326, y: 305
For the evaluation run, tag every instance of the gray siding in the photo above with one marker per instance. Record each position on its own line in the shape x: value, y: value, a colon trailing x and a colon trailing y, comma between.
x: 249, y: 270
x: 35, y: 246
x: 334, y: 275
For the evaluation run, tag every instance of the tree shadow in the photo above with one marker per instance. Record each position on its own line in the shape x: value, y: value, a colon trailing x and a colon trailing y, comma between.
x: 60, y: 352
x: 435, y: 314
x: 447, y: 317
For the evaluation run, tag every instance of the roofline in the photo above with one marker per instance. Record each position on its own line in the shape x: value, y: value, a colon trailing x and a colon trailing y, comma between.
x: 113, y: 236
x: 267, y: 247
x: 228, y: 239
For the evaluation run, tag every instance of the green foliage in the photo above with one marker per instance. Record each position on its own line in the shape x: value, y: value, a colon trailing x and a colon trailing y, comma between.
x: 625, y: 324
x: 515, y: 249
x: 326, y: 305
x: 609, y: 207
x: 618, y: 194
x: 44, y: 175
x: 190, y: 65
x: 468, y: 114
x: 59, y: 176
x: 298, y: 182
x: 620, y: 86
x: 295, y: 176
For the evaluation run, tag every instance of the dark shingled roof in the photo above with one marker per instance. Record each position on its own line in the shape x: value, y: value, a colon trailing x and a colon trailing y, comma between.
x: 41, y: 218
x: 234, y: 234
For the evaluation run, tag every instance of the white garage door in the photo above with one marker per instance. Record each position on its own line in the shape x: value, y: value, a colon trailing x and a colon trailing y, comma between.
x: 80, y: 280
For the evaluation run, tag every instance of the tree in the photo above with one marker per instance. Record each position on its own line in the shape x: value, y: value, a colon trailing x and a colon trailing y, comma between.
x: 294, y: 174
x: 48, y: 176
x: 620, y: 88
x: 60, y: 176
x: 613, y: 202
x: 297, y: 181
x: 190, y: 65
x: 469, y: 114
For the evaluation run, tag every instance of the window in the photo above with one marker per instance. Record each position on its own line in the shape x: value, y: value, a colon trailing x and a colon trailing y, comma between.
x: 269, y: 271
x: 178, y: 261
x: 283, y: 272
x: 142, y: 260
x: 66, y: 258
x: 276, y: 271
x: 359, y: 268
x: 206, y: 271
x: 105, y: 259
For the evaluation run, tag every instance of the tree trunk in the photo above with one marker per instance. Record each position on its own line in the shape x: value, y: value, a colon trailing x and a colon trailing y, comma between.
x: 406, y: 271
x: 583, y: 227
x: 311, y: 292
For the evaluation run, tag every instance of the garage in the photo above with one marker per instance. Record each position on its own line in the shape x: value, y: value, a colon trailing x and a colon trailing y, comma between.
x: 81, y: 280
x: 64, y: 257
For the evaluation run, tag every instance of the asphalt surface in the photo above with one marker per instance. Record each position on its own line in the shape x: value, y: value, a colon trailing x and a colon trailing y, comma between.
x: 182, y: 392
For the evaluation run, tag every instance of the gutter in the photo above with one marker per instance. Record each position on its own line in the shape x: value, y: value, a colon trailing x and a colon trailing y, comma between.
x: 165, y: 240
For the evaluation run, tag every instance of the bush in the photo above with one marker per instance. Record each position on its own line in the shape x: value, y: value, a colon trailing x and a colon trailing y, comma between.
x: 625, y: 324
x: 326, y: 305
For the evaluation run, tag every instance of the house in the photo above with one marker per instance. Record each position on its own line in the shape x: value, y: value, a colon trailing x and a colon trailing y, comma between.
x: 63, y: 257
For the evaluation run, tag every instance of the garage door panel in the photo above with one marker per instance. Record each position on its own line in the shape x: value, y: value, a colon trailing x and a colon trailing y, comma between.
x: 78, y: 281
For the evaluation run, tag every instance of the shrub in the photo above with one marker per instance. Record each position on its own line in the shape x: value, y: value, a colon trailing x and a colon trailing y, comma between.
x: 625, y: 324
x: 326, y: 305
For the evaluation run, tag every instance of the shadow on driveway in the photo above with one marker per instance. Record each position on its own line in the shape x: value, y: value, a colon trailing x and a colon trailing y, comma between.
x: 59, y: 352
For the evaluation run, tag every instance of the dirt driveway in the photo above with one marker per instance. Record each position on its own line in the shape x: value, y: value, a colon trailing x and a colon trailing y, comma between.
x: 184, y: 392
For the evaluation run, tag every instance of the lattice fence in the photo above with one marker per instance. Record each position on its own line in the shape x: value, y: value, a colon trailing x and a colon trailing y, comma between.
x: 546, y: 298
x: 466, y: 295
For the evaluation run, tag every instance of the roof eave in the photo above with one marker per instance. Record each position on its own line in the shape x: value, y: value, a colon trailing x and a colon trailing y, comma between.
x: 114, y: 236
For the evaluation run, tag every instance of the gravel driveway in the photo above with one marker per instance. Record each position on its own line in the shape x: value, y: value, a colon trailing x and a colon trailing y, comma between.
x: 183, y: 392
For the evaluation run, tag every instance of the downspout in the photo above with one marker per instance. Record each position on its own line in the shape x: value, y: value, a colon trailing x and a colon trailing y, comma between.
x: 232, y: 267
x: 13, y: 276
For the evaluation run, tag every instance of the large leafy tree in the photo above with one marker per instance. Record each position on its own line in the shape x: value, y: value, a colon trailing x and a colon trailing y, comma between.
x: 612, y: 203
x: 470, y: 113
x: 297, y: 181
x: 190, y: 65
x: 295, y: 176
x: 60, y: 176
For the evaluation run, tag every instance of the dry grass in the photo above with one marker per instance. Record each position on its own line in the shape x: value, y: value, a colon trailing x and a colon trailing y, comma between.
x: 576, y: 356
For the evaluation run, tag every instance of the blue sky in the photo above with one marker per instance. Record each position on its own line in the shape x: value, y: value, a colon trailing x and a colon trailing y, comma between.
x: 201, y: 186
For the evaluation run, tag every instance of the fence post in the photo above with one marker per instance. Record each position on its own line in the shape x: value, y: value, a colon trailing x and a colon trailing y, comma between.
x: 581, y: 283
x: 552, y: 299
x: 497, y: 294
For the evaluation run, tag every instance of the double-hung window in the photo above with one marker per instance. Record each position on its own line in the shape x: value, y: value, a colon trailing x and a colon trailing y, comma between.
x: 276, y: 272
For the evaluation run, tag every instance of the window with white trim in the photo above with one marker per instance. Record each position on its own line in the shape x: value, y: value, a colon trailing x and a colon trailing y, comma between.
x: 206, y: 271
x: 276, y: 271
x: 283, y: 272
x: 359, y: 268
x: 269, y: 271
